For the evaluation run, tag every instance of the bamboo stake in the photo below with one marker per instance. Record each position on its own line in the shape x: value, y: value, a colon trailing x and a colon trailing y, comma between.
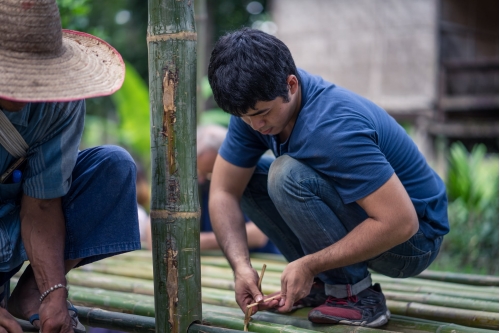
x: 472, y: 279
x: 115, y: 321
x: 441, y: 291
x: 430, y: 283
x: 264, y: 301
x: 261, y: 276
x: 448, y: 301
x: 223, y: 320
x: 479, y: 319
x: 248, y: 313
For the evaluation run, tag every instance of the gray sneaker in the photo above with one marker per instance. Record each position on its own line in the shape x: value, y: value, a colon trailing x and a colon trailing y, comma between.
x: 367, y: 308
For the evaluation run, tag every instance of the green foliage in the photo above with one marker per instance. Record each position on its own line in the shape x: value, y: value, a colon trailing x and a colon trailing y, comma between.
x: 132, y: 103
x: 74, y: 13
x: 229, y: 15
x: 131, y: 128
x: 472, y: 184
x: 213, y: 116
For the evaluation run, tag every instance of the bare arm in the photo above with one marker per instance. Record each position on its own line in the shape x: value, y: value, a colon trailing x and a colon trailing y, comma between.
x: 255, y: 238
x: 392, y: 220
x: 43, y: 232
x: 226, y: 188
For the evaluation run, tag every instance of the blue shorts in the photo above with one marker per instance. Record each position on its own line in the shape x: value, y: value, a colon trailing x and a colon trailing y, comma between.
x: 100, y: 210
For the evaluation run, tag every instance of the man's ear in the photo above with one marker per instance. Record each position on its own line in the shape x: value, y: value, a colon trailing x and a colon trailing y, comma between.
x: 293, y: 83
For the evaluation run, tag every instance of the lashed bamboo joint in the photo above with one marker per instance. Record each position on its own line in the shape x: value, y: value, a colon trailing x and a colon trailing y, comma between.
x: 183, y: 35
x: 172, y: 215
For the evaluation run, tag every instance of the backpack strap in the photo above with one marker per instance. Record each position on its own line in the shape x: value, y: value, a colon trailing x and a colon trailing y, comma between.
x: 10, y: 138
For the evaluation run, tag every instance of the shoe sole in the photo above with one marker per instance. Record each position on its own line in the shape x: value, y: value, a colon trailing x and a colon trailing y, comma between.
x: 382, y: 320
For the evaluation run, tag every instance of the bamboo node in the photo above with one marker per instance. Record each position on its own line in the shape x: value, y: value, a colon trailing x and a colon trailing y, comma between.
x: 183, y: 35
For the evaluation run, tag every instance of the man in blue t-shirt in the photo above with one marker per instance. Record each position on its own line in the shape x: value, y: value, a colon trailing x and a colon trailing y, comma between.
x: 349, y: 190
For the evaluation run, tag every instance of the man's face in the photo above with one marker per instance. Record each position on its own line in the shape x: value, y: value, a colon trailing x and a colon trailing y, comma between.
x: 11, y: 105
x: 273, y: 117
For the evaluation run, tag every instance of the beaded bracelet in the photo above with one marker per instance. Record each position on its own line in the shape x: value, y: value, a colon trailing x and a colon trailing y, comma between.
x: 57, y: 286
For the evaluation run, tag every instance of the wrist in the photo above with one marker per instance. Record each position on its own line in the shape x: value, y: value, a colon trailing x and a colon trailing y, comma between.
x: 310, y: 265
x: 242, y: 270
x: 56, y: 291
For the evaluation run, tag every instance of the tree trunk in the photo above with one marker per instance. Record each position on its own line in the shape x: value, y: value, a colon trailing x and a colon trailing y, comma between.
x: 174, y: 201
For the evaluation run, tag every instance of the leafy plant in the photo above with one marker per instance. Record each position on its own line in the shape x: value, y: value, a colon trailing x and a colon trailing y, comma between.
x: 74, y: 13
x: 472, y: 185
x: 132, y: 103
x: 128, y: 126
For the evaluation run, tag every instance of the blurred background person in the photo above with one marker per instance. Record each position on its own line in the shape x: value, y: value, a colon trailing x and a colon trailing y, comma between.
x: 143, y: 201
x: 209, y: 139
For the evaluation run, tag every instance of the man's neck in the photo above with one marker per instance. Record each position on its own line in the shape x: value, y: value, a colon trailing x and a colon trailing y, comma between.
x: 285, y: 134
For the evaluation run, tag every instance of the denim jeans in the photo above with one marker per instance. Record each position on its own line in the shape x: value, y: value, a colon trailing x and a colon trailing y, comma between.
x: 100, y: 209
x: 302, y: 213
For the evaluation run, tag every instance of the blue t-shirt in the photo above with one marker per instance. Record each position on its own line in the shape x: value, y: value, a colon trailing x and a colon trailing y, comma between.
x: 355, y: 142
x: 52, y: 132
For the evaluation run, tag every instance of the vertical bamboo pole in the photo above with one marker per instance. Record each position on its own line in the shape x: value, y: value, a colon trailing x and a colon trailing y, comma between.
x: 174, y: 200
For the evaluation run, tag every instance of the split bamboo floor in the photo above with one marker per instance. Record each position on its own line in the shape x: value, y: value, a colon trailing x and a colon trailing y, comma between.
x: 117, y: 293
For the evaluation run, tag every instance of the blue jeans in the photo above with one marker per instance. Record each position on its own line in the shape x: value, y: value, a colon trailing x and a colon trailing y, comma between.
x: 302, y: 213
x: 100, y: 209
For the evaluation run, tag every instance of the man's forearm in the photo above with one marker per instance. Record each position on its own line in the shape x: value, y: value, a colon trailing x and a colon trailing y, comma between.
x: 43, y: 232
x: 229, y: 227
x: 364, y: 242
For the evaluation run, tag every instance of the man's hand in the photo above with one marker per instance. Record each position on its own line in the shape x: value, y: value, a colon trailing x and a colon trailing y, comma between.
x: 245, y: 287
x: 54, y: 316
x: 43, y: 232
x: 296, y: 282
x: 8, y: 323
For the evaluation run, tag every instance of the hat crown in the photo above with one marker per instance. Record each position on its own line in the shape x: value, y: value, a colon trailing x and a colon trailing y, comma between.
x: 30, y: 26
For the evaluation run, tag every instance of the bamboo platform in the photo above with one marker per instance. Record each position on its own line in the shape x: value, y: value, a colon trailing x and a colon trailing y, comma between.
x: 117, y: 293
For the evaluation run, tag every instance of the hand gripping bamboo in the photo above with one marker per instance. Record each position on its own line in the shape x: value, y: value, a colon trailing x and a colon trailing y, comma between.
x: 248, y: 311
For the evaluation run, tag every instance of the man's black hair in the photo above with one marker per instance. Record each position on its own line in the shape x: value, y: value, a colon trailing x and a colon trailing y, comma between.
x: 248, y: 66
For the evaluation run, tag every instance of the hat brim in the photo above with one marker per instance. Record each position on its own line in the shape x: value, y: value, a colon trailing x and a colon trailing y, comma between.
x: 87, y: 67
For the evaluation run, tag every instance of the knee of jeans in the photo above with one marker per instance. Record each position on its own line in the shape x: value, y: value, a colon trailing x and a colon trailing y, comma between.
x: 118, y: 160
x: 283, y: 176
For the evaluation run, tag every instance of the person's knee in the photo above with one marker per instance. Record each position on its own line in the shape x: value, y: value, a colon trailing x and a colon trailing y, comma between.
x: 117, y: 162
x: 282, y: 174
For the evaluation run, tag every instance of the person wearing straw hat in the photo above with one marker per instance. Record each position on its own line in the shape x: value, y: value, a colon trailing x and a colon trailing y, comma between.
x: 59, y: 207
x: 348, y: 191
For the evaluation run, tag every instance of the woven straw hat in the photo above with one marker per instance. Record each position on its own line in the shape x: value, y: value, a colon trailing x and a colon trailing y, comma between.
x: 41, y: 62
